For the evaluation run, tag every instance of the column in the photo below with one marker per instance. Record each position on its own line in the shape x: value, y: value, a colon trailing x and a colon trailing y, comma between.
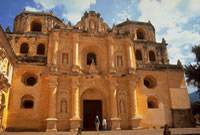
x: 134, y: 120
x: 51, y: 120
x: 115, y: 120
x: 132, y: 62
x: 76, y: 66
x: 146, y: 57
x: 75, y: 96
x: 54, y: 66
x: 111, y: 55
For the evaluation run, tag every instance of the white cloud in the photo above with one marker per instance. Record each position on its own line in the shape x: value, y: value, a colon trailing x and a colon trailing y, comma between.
x: 121, y: 16
x: 194, y: 6
x: 72, y: 9
x: 172, y: 15
x: 162, y: 13
x: 28, y: 8
x: 72, y: 17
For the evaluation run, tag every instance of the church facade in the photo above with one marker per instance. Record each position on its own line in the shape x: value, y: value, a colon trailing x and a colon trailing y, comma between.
x: 65, y: 75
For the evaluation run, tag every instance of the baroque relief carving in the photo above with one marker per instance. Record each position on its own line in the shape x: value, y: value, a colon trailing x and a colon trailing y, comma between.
x: 63, y: 101
x: 119, y: 58
x: 122, y: 102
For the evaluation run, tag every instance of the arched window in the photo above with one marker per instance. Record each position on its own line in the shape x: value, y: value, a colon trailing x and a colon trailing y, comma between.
x: 41, y: 49
x: 138, y: 55
x: 29, y: 79
x: 27, y: 102
x: 150, y: 82
x: 36, y: 26
x: 24, y: 48
x: 91, y: 57
x: 140, y: 34
x: 152, y: 57
x: 152, y: 102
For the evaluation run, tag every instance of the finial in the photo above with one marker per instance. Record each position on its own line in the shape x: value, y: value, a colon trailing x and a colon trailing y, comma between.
x: 98, y: 14
x: 24, y: 9
x: 114, y: 29
x: 69, y: 23
x: 8, y: 29
x: 127, y: 19
x: 51, y: 12
x: 179, y: 63
x: 86, y: 14
x: 163, y: 41
x: 69, y: 26
x: 63, y: 20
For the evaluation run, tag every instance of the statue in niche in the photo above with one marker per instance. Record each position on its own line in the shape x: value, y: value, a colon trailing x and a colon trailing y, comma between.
x: 122, y: 107
x: 119, y: 61
x: 63, y: 107
x: 93, y: 69
x: 65, y: 58
x: 92, y: 25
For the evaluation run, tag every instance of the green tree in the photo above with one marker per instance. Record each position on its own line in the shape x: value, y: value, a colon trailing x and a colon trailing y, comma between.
x: 192, y: 71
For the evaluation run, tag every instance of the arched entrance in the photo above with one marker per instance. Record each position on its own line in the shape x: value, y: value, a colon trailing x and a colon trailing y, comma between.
x: 91, y: 108
x: 92, y: 105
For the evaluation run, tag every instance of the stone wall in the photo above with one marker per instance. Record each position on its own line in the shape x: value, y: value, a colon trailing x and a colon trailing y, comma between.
x: 182, y: 118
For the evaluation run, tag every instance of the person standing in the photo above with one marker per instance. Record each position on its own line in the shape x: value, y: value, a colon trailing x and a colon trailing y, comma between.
x: 97, y: 123
x: 104, y: 124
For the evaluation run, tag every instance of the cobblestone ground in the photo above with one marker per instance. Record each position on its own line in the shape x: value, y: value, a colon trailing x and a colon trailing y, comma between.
x: 176, y: 131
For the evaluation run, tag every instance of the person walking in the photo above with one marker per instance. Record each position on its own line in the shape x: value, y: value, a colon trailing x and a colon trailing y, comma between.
x: 79, y: 131
x: 104, y: 124
x: 97, y: 123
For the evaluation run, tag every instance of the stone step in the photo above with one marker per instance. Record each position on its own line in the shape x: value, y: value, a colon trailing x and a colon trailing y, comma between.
x: 176, y: 131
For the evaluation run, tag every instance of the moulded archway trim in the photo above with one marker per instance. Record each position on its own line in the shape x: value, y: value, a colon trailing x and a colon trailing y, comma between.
x: 138, y: 54
x: 141, y: 34
x: 36, y: 25
x: 92, y: 94
x: 152, y: 102
x: 24, y: 48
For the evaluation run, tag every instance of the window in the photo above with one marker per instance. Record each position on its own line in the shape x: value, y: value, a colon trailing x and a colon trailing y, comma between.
x: 29, y: 79
x: 152, y: 102
x: 36, y: 26
x: 140, y: 34
x: 119, y: 61
x: 150, y: 82
x: 24, y: 48
x: 41, y: 49
x: 65, y: 58
x: 138, y: 55
x: 91, y: 57
x: 27, y: 102
x: 152, y: 57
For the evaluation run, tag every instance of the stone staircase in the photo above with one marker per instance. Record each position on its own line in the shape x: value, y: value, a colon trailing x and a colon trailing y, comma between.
x: 176, y: 131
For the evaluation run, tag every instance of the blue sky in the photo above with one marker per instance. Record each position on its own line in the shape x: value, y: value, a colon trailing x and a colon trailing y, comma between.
x: 178, y: 21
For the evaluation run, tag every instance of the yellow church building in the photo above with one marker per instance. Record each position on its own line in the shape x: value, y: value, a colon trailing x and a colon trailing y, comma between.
x: 64, y: 75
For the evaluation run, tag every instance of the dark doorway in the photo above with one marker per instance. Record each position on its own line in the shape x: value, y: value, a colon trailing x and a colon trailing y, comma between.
x: 91, y: 108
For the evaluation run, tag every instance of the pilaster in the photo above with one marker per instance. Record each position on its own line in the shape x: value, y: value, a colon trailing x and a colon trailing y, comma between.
x: 76, y: 66
x: 111, y: 55
x: 75, y: 95
x: 51, y: 120
x: 132, y: 61
x: 134, y: 119
x: 115, y: 120
x: 54, y: 66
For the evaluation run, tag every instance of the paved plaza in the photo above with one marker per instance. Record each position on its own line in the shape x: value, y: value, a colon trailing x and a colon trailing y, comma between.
x: 175, y: 131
